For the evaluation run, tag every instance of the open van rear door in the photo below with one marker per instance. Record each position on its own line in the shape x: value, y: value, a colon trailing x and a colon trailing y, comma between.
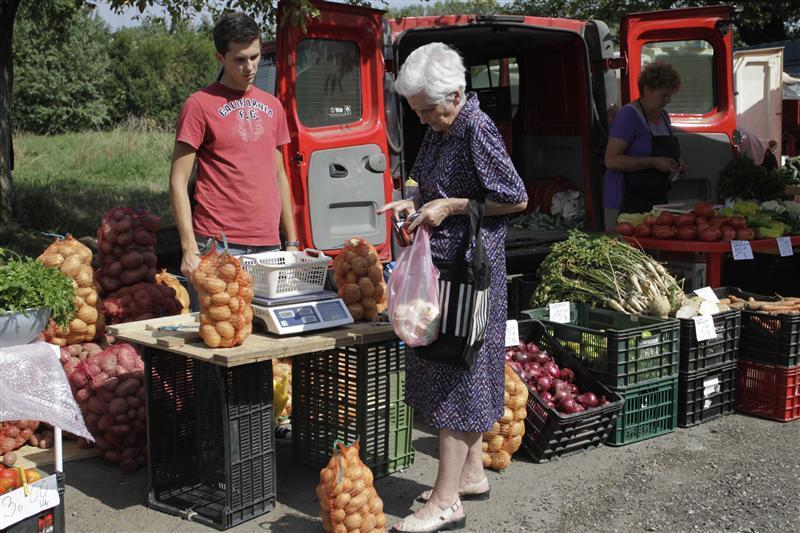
x: 758, y: 84
x: 329, y: 78
x: 698, y: 43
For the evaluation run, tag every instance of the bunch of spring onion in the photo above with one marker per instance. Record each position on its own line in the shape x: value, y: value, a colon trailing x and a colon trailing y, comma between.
x: 603, y: 270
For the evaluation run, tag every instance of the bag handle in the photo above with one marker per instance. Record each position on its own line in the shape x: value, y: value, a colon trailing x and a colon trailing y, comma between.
x: 476, y: 209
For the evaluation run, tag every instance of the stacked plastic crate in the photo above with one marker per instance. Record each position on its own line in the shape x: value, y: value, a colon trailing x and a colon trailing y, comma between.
x: 707, y: 377
x: 768, y: 382
x: 635, y: 356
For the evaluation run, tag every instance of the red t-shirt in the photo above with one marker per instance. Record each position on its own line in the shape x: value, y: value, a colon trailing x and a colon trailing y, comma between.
x: 235, y: 134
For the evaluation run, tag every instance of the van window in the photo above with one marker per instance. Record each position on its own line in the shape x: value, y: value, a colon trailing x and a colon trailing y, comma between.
x: 328, y: 82
x: 694, y: 60
x: 488, y: 77
x: 265, y: 76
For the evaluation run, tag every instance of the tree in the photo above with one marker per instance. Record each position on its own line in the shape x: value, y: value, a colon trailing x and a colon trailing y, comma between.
x: 52, y: 14
x: 449, y: 7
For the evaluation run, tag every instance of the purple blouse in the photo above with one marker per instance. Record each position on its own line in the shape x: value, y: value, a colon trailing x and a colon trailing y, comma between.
x: 629, y: 126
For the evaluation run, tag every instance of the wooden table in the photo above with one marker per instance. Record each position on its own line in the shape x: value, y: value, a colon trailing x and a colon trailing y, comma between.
x: 713, y: 250
x: 257, y: 347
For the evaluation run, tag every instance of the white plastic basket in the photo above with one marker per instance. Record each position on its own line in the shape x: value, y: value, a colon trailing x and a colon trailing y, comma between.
x: 283, y: 274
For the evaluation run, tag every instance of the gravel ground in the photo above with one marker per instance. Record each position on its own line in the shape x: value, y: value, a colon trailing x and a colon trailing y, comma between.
x: 737, y: 473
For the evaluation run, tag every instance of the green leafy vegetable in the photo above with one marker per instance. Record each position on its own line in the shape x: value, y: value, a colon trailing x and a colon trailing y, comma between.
x: 742, y: 178
x: 26, y: 283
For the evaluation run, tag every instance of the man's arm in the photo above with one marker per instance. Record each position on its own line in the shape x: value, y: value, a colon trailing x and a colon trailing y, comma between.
x: 183, y: 157
x: 287, y: 214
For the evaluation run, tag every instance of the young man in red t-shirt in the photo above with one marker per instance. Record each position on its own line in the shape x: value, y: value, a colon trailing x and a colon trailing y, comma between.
x: 233, y: 130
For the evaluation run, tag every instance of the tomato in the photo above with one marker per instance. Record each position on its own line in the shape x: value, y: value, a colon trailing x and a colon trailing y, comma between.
x: 745, y: 234
x: 649, y: 220
x: 718, y: 221
x: 686, y: 219
x: 12, y: 474
x: 737, y: 221
x: 642, y: 230
x: 7, y: 485
x: 728, y: 233
x: 700, y: 222
x: 704, y: 209
x: 624, y: 228
x: 687, y: 233
x: 709, y: 234
x: 662, y: 231
x: 665, y: 219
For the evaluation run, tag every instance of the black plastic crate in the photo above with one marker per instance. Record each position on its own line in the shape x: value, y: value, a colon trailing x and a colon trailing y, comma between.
x: 211, y: 441
x: 354, y: 392
x: 47, y: 521
x: 520, y: 290
x: 620, y: 350
x: 706, y: 395
x: 724, y: 349
x: 770, y: 339
x: 549, y: 433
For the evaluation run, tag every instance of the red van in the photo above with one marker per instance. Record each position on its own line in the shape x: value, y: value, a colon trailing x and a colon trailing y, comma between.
x: 551, y: 85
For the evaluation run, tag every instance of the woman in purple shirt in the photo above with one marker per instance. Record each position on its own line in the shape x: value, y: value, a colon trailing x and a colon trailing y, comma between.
x: 642, y: 153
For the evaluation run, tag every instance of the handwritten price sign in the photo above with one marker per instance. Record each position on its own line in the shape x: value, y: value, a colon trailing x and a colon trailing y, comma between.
x: 16, y: 505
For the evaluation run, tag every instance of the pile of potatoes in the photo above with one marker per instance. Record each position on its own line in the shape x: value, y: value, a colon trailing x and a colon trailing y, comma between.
x: 505, y: 437
x: 348, y: 500
x: 126, y: 248
x: 75, y: 260
x: 358, y: 274
x: 141, y: 301
x: 225, y: 291
x: 15, y: 433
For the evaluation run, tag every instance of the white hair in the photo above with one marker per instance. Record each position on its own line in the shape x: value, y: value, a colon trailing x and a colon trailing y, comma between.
x: 435, y: 70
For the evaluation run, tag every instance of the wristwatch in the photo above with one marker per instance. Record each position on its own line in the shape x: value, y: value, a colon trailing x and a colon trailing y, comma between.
x: 293, y: 243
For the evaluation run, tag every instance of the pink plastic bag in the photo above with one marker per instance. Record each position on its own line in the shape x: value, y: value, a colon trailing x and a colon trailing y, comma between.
x: 413, y: 292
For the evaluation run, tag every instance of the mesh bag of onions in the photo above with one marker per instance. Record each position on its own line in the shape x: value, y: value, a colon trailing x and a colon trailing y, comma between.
x: 281, y: 369
x: 348, y: 500
x: 126, y: 242
x: 109, y: 388
x: 140, y: 302
x: 225, y: 291
x: 75, y: 260
x: 358, y: 274
x: 505, y: 437
x: 168, y: 280
x: 15, y: 433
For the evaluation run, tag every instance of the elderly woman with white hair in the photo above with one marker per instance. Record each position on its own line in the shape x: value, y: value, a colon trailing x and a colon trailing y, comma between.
x: 462, y: 158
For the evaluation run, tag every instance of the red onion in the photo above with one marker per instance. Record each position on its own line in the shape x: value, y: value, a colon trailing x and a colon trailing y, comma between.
x: 587, y: 399
x: 532, y: 348
x: 573, y: 388
x: 552, y: 369
x: 568, y: 374
x: 521, y: 356
x: 560, y: 396
x: 544, y: 383
x: 559, y: 384
x: 540, y: 357
x: 509, y: 355
x: 534, y: 368
x: 547, y: 397
x: 568, y: 406
x: 579, y: 408
x: 550, y: 405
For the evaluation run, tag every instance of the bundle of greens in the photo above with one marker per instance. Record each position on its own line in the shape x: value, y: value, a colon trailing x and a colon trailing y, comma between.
x: 27, y: 284
x: 742, y: 178
x: 603, y: 270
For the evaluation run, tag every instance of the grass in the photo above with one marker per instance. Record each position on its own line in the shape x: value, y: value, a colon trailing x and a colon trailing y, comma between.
x: 64, y: 183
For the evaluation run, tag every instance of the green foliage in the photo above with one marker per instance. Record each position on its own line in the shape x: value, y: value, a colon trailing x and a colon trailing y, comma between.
x: 60, y: 75
x: 64, y: 183
x: 154, y: 70
x: 27, y: 284
x: 743, y: 179
x: 449, y: 7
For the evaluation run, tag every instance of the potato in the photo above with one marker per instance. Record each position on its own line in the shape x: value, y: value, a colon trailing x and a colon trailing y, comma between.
x: 366, y: 286
x: 228, y: 272
x: 131, y: 260
x: 375, y: 274
x: 219, y: 312
x: 360, y: 266
x: 351, y: 293
x: 214, y: 285
x: 356, y: 310
x: 124, y: 239
x: 210, y: 336
x: 52, y: 260
x: 225, y: 329
x: 232, y: 289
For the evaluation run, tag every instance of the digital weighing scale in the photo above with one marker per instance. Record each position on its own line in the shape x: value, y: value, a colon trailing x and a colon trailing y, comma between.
x: 299, y: 314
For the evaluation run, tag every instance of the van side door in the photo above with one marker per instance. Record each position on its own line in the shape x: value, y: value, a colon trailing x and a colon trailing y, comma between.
x: 698, y: 43
x: 330, y: 80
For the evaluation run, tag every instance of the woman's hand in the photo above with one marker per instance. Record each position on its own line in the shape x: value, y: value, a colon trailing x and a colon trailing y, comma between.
x: 665, y: 164
x: 434, y: 212
x: 402, y: 208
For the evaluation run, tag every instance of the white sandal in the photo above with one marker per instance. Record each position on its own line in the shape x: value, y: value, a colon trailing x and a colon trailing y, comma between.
x: 443, y: 522
x: 470, y: 491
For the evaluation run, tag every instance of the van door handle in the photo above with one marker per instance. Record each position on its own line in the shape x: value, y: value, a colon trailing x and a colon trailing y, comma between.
x: 337, y: 171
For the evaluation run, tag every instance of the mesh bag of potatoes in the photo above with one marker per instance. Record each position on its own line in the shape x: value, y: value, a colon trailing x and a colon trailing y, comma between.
x: 358, y: 274
x: 75, y: 260
x: 225, y: 291
x: 348, y: 500
x: 505, y: 437
x: 282, y: 374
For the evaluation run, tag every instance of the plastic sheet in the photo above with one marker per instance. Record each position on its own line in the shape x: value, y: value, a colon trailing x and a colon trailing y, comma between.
x: 33, y: 386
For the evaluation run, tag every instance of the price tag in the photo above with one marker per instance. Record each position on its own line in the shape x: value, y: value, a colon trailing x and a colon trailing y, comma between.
x: 559, y: 312
x: 512, y: 333
x: 785, y: 246
x: 707, y: 293
x: 741, y: 250
x: 16, y: 506
x: 710, y: 388
x: 704, y: 328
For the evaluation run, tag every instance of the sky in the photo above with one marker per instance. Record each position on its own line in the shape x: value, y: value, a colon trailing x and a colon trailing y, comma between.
x: 127, y: 17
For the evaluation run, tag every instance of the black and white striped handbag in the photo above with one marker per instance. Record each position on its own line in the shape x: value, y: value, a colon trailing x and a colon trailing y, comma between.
x: 463, y: 301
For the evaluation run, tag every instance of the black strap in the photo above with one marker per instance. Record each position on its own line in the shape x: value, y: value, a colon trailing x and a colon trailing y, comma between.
x: 664, y: 117
x: 476, y: 209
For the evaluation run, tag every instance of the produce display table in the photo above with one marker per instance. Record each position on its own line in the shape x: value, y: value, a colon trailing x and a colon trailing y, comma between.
x: 210, y: 434
x: 714, y: 251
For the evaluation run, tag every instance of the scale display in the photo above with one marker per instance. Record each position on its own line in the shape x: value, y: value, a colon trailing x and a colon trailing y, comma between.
x: 306, y: 316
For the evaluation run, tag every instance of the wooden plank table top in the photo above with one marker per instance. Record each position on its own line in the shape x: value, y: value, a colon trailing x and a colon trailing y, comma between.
x: 185, y: 340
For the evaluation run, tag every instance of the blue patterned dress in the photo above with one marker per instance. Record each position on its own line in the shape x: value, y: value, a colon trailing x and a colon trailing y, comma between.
x: 470, y: 161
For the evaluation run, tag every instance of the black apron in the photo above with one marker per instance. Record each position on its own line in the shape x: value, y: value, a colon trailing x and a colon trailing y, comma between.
x: 642, y: 189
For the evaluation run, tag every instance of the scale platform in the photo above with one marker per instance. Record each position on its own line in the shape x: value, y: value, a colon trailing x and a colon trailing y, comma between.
x: 300, y: 314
